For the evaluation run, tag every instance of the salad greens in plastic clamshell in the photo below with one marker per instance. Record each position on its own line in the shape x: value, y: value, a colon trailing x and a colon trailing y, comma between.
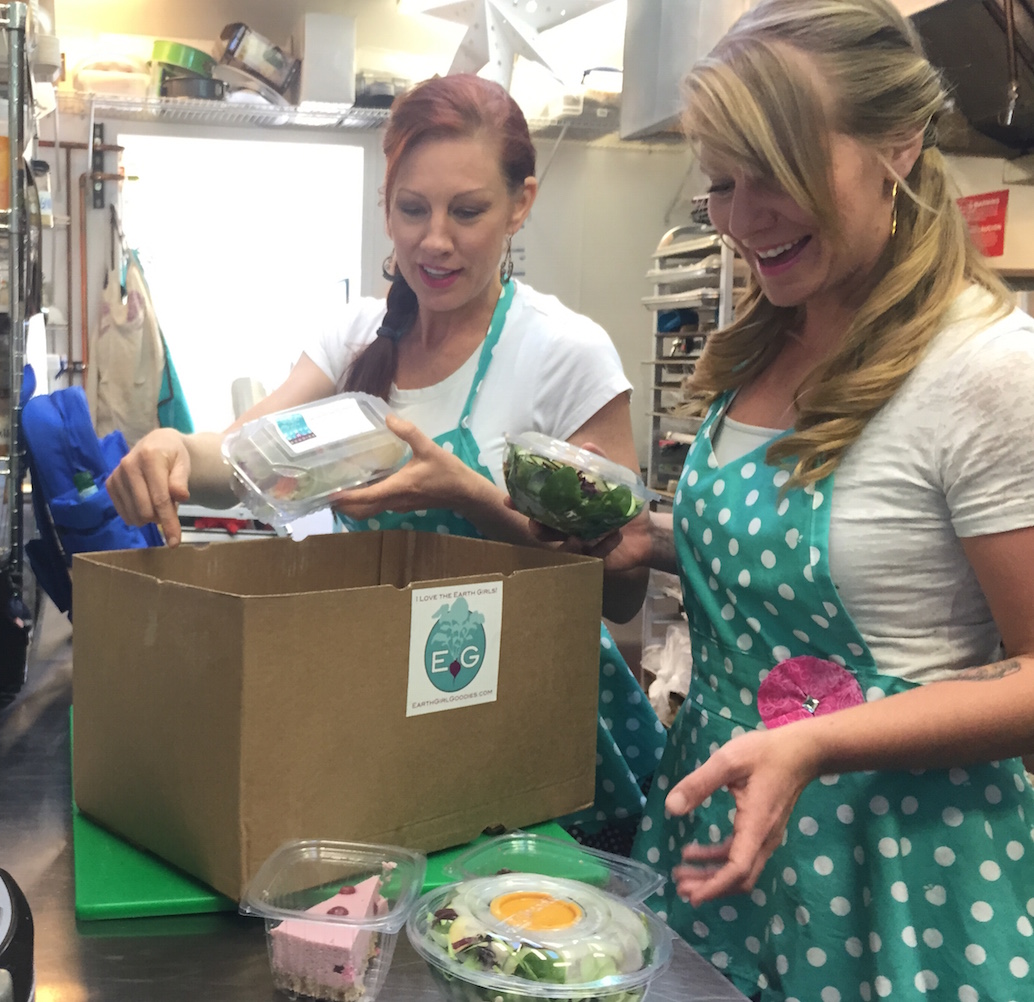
x: 569, y: 489
x: 526, y: 937
x: 291, y: 463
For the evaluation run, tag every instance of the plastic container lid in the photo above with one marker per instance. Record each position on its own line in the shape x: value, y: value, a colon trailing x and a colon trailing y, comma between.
x: 333, y: 912
x: 569, y: 489
x: 291, y: 463
x: 526, y: 936
x: 524, y: 852
x: 304, y: 872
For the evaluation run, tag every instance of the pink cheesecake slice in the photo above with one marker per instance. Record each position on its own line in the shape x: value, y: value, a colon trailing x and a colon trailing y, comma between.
x: 328, y: 959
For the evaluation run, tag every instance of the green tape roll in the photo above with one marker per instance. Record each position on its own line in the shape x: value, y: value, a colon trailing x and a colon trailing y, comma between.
x: 183, y: 57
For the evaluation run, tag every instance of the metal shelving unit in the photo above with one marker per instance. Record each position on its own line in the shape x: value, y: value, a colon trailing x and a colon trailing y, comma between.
x: 16, y: 232
x: 190, y: 111
x: 692, y: 275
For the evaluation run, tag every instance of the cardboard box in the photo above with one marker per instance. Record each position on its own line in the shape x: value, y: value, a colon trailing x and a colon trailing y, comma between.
x: 395, y: 687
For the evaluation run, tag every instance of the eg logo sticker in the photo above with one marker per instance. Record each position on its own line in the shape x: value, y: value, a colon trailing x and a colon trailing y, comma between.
x: 455, y: 648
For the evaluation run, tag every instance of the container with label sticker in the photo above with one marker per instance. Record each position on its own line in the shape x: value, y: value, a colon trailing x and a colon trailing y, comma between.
x: 291, y: 463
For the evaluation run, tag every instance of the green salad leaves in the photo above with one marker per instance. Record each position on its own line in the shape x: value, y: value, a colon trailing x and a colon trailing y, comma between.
x: 566, y: 499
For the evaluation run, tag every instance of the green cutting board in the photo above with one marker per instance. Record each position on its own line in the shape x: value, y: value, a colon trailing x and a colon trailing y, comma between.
x: 114, y: 879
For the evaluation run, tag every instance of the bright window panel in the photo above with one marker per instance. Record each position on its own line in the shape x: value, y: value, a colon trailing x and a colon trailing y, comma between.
x: 238, y: 238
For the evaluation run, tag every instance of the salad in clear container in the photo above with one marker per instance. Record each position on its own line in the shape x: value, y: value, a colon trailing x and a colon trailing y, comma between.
x: 291, y: 463
x: 569, y: 489
x: 525, y: 937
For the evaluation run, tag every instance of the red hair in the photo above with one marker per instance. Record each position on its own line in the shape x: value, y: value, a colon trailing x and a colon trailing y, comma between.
x: 459, y: 107
x: 453, y: 107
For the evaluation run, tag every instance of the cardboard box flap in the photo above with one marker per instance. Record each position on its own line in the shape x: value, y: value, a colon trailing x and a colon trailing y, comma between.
x: 398, y: 558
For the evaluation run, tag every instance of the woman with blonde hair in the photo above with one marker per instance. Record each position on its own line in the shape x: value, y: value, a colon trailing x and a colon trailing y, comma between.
x: 841, y: 803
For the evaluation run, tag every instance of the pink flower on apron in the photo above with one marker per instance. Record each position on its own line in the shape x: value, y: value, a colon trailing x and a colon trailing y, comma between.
x: 803, y: 687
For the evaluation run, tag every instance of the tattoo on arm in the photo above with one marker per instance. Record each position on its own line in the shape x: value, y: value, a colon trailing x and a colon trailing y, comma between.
x: 985, y: 672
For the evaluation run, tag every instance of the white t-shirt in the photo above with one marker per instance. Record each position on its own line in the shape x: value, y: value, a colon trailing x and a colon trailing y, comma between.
x: 552, y: 370
x: 950, y: 456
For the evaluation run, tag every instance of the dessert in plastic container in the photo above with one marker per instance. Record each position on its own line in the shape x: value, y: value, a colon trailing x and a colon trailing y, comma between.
x: 524, y: 852
x: 333, y: 912
x: 291, y: 463
x: 524, y: 937
x: 569, y: 489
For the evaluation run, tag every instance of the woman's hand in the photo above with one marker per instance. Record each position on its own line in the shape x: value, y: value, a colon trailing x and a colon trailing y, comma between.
x: 765, y: 771
x: 626, y: 549
x: 152, y: 479
x: 433, y: 478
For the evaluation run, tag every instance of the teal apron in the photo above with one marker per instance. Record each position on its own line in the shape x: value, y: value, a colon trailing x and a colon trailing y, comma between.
x: 903, y: 885
x: 630, y: 738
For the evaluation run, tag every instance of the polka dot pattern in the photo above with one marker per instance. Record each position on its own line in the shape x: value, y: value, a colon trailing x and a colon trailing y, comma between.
x: 629, y: 742
x: 877, y: 880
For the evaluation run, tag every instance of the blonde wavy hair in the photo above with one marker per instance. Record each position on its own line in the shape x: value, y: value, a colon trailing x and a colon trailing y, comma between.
x: 751, y: 103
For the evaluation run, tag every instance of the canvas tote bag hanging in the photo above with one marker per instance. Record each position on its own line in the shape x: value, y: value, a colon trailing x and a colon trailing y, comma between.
x: 124, y: 376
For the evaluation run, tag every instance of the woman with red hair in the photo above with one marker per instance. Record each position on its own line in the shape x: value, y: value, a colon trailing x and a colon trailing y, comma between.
x: 463, y: 353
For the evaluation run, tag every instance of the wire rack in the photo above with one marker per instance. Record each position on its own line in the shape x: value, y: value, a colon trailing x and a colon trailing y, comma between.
x: 201, y: 112
x: 227, y: 113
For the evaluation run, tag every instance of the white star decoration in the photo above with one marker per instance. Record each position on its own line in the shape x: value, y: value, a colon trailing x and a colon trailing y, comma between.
x: 500, y: 30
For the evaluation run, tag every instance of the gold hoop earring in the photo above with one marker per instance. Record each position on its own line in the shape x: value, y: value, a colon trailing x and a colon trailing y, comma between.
x: 506, y: 268
x: 894, y: 210
x: 388, y: 267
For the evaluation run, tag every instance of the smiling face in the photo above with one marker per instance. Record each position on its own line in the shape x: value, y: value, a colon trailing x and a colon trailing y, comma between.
x: 449, y: 214
x: 796, y: 258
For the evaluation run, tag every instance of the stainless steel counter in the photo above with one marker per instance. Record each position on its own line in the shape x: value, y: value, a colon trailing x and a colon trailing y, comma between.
x: 211, y: 957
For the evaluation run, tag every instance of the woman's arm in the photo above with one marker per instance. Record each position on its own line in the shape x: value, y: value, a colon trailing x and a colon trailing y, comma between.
x: 983, y: 714
x: 610, y: 430
x: 437, y: 479
x: 166, y: 467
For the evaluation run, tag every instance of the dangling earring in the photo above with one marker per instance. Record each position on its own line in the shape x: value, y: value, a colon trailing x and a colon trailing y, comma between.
x: 894, y: 210
x: 506, y: 268
x: 388, y: 267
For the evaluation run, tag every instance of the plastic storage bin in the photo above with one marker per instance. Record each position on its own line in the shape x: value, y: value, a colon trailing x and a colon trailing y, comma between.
x: 524, y: 852
x: 569, y: 489
x: 291, y: 463
x: 526, y: 937
x: 333, y: 912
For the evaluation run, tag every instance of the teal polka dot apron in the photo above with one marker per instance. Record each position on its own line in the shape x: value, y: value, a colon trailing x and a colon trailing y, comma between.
x: 630, y: 738
x: 899, y: 885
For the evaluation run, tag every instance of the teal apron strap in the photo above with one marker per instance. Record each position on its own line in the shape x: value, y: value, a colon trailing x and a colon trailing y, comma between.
x: 495, y: 330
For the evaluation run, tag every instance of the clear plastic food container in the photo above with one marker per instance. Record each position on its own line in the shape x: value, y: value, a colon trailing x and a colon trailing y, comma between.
x: 524, y: 852
x: 526, y: 937
x: 333, y: 912
x: 571, y: 489
x: 291, y: 463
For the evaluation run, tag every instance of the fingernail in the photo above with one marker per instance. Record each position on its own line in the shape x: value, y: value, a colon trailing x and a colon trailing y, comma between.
x: 676, y: 803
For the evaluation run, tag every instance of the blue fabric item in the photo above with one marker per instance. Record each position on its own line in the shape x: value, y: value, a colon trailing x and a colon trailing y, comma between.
x: 59, y: 442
